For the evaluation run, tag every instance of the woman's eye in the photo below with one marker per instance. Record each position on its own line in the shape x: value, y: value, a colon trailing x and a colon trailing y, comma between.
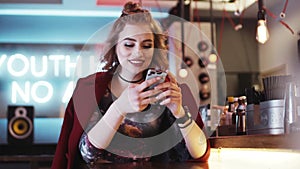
x: 147, y: 46
x: 130, y: 45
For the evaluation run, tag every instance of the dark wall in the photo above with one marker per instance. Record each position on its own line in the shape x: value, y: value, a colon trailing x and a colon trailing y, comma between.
x: 238, y: 51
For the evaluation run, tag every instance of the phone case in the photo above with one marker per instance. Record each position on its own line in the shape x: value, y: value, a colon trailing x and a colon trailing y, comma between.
x: 152, y: 73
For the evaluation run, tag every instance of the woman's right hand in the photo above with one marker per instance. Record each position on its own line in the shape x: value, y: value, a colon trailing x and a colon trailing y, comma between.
x: 136, y: 98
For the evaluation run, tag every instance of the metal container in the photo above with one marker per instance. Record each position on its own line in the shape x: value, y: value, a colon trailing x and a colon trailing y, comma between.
x: 266, y: 118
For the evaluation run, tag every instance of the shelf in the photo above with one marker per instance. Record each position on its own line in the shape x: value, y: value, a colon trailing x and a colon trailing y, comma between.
x: 281, y: 141
x: 32, y: 150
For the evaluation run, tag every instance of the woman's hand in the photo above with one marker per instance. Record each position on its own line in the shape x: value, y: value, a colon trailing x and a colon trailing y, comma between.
x: 171, y: 96
x: 136, y: 98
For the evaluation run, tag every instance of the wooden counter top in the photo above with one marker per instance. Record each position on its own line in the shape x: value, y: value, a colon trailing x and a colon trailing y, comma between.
x: 282, y: 141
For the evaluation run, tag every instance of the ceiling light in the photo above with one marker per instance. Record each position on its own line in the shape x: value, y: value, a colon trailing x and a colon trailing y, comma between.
x: 262, y: 33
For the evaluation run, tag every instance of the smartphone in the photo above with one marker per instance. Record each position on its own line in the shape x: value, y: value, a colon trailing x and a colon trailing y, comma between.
x: 153, y: 73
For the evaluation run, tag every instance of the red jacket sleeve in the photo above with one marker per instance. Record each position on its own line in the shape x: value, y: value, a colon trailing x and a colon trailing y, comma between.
x: 83, y: 103
x: 60, y: 159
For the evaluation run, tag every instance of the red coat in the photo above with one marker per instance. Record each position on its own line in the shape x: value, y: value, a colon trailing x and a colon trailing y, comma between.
x: 83, y: 103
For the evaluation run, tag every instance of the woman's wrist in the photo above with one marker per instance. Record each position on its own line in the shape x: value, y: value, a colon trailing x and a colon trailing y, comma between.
x: 185, y: 120
x: 186, y: 124
x: 116, y: 106
x: 181, y: 113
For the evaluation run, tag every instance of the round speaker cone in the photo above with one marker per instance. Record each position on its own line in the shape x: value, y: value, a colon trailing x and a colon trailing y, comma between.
x: 203, y: 62
x: 188, y: 61
x: 202, y: 46
x: 20, y: 126
x: 203, y: 78
x: 204, y: 95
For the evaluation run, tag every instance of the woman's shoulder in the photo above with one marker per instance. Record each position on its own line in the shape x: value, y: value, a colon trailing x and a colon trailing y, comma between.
x: 91, y: 88
x: 98, y: 77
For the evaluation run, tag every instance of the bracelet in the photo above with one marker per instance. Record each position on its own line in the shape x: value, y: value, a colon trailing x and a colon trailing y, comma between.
x: 187, y: 117
x: 189, y: 123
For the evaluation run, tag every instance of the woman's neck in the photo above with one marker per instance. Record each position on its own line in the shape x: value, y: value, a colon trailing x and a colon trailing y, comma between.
x: 128, y: 80
x: 120, y: 83
x: 129, y: 77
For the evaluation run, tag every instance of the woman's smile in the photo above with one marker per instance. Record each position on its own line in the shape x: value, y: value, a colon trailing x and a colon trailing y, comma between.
x: 137, y: 62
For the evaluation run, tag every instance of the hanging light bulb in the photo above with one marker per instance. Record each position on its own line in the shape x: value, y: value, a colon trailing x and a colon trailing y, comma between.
x: 213, y: 57
x: 183, y: 73
x: 262, y: 33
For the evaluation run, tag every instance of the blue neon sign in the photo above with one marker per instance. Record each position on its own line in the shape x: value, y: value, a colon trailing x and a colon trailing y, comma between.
x: 41, y: 75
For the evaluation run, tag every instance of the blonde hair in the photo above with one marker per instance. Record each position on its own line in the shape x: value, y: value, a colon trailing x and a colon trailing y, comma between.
x: 132, y: 13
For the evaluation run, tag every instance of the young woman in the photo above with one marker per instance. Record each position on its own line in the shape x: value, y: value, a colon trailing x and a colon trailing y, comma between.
x: 113, y: 116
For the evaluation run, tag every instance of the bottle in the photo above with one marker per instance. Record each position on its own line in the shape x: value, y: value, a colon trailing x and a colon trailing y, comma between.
x: 235, y: 105
x: 209, y: 128
x: 224, y: 119
x: 230, y: 111
x: 241, y: 116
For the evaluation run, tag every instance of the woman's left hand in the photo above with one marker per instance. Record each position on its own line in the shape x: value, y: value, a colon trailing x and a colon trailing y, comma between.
x: 171, y: 95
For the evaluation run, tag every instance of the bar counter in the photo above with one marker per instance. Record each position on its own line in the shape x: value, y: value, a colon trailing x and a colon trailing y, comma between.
x: 225, y: 158
x: 277, y: 141
x: 228, y: 152
x: 221, y: 158
x: 150, y: 165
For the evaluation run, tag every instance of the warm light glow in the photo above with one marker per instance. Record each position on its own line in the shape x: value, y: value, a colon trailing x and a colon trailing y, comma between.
x: 213, y: 58
x: 262, y: 33
x: 183, y: 73
x: 250, y: 158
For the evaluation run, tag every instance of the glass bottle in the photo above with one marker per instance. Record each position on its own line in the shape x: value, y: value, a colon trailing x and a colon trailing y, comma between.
x: 230, y: 111
x: 235, y: 105
x: 241, y: 116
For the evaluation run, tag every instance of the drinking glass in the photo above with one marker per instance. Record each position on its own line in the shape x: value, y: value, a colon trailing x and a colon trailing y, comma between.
x: 290, y: 112
x: 211, y: 119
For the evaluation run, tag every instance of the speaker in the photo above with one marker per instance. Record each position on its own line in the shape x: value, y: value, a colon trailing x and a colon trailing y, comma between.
x: 20, y: 125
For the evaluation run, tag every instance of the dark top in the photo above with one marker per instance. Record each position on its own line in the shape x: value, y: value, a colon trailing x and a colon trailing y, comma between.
x: 151, y: 122
x: 85, y: 99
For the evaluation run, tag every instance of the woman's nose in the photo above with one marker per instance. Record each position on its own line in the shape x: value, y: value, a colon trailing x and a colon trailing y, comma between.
x: 138, y: 51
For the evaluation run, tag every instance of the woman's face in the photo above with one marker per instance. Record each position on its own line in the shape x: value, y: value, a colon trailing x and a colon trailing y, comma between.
x: 135, y: 48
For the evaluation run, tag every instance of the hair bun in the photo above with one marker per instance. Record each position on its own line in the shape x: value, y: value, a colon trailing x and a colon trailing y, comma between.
x: 131, y: 8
